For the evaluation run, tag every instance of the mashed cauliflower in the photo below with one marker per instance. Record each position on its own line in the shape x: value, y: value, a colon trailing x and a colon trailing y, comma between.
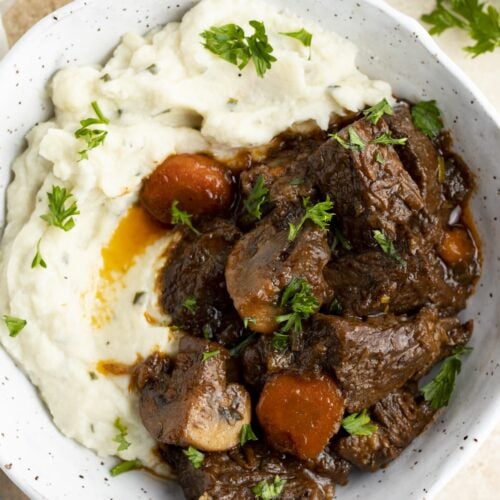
x: 163, y: 94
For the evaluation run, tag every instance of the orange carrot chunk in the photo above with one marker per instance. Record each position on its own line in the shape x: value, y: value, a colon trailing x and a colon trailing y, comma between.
x: 200, y: 185
x: 300, y: 414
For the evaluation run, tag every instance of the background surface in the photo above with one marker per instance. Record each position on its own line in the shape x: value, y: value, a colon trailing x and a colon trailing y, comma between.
x: 480, y: 478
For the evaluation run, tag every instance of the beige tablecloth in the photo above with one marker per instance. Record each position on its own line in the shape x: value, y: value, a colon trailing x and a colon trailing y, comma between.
x: 480, y: 479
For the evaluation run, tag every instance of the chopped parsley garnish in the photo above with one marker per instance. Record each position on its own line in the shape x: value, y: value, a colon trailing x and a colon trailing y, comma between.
x: 280, y: 341
x: 427, y: 118
x: 480, y: 21
x: 190, y: 304
x: 376, y: 112
x: 438, y: 391
x: 92, y: 136
x: 230, y: 43
x: 210, y: 354
x: 247, y: 321
x: 355, y: 142
x: 269, y: 491
x: 339, y: 238
x: 302, y: 36
x: 300, y: 301
x: 126, y: 466
x: 320, y: 214
x: 14, y: 325
x: 386, y: 139
x: 379, y: 158
x: 120, y: 438
x: 335, y: 307
x: 195, y: 457
x: 247, y: 434
x: 359, y: 424
x: 181, y: 217
x: 60, y: 215
x: 257, y: 198
x: 207, y: 332
x: 238, y: 349
x: 38, y: 259
x: 387, y: 246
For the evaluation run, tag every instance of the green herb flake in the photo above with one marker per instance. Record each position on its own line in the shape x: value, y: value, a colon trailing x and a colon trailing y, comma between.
x: 340, y: 239
x: 427, y: 118
x: 138, y: 298
x: 247, y: 321
x: 120, y: 438
x: 320, y: 214
x: 257, y: 198
x: 359, y: 424
x: 375, y: 113
x: 354, y: 143
x: 280, y: 341
x: 481, y: 21
x: 211, y: 354
x: 126, y: 466
x: 230, y: 43
x: 237, y: 350
x: 303, y: 36
x: 379, y: 158
x: 247, y: 434
x: 92, y: 376
x: 439, y: 390
x: 386, y: 139
x: 207, y: 332
x: 14, y: 325
x: 387, y: 246
x: 181, y: 217
x: 269, y: 491
x: 335, y: 307
x: 195, y: 457
x: 92, y: 136
x: 300, y: 301
x: 59, y: 214
x: 190, y: 304
x: 38, y: 259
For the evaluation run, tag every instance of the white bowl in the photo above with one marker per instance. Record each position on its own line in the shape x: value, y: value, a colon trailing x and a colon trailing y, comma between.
x: 45, y: 464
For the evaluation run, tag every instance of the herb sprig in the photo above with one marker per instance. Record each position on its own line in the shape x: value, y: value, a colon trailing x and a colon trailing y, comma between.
x: 359, y: 424
x: 386, y: 139
x: 480, y: 20
x: 375, y: 113
x: 439, y: 390
x: 354, y: 142
x: 38, y: 259
x: 210, y: 354
x: 427, y: 118
x: 195, y: 457
x: 387, y: 246
x: 230, y: 43
x: 92, y: 136
x: 190, y: 304
x: 302, y: 36
x: 320, y: 214
x: 182, y: 217
x: 269, y: 491
x: 257, y: 198
x: 59, y: 214
x: 247, y: 434
x: 120, y: 438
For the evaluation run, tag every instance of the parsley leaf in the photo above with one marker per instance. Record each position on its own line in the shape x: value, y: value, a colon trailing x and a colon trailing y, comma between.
x: 38, y: 259
x: 123, y: 444
x: 387, y: 246
x: 14, y: 325
x: 480, y: 21
x: 59, y: 215
x: 195, y: 457
x: 320, y: 214
x: 387, y: 140
x: 280, y: 341
x: 93, y: 137
x: 359, y: 424
x: 247, y: 434
x: 339, y: 238
x: 126, y: 466
x: 355, y: 142
x: 210, y: 354
x: 438, y: 391
x: 300, y: 301
x: 427, y: 118
x: 302, y: 36
x: 269, y: 491
x: 247, y: 321
x: 230, y: 43
x: 376, y: 112
x: 257, y: 197
x: 379, y: 158
x: 181, y: 217
x: 190, y: 304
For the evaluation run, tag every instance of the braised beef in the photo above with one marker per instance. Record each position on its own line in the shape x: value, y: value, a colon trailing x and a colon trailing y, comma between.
x: 400, y: 417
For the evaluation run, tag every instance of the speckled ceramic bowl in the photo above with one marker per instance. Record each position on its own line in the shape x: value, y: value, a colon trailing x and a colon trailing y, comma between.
x: 45, y: 464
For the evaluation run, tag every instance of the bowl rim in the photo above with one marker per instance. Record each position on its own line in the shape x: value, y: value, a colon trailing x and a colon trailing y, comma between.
x: 491, y: 419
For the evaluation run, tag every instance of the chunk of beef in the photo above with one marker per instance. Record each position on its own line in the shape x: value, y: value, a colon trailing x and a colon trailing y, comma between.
x: 195, y: 271
x: 370, y: 188
x: 400, y: 417
x: 372, y: 358
x: 264, y: 262
x: 373, y: 282
x: 188, y: 401
x: 233, y: 475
